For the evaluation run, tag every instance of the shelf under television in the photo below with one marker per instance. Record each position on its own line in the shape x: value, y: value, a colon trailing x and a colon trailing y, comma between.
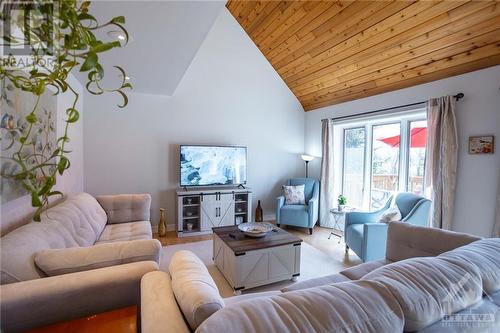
x: 190, y: 217
x: 191, y: 205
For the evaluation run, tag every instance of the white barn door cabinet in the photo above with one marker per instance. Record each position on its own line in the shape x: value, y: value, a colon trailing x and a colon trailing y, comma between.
x: 198, y: 211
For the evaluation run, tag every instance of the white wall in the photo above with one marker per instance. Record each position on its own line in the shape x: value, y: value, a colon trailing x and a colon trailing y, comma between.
x: 229, y: 95
x: 19, y: 211
x: 478, y: 113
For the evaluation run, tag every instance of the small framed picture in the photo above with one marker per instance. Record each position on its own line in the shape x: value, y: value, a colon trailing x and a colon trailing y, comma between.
x: 482, y: 144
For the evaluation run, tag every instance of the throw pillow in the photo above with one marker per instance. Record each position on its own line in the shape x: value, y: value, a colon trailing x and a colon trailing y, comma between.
x: 390, y: 215
x: 294, y: 195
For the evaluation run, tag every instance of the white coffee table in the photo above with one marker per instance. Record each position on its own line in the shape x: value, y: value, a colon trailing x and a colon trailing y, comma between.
x: 249, y: 262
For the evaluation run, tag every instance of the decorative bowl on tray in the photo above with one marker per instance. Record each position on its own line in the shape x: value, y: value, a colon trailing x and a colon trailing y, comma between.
x: 255, y: 229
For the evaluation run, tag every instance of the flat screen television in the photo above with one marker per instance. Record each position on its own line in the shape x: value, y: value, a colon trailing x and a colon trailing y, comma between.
x: 213, y: 165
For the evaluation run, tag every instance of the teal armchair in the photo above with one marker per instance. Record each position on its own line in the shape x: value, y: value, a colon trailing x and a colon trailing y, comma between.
x: 300, y: 215
x: 367, y: 237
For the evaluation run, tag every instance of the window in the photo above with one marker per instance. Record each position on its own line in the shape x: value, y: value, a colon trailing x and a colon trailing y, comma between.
x: 380, y: 156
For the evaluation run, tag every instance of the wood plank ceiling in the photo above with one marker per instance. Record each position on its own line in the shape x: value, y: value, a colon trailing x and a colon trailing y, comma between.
x: 330, y: 52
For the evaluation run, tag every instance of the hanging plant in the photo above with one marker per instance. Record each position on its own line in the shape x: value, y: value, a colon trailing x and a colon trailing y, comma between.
x: 61, y: 37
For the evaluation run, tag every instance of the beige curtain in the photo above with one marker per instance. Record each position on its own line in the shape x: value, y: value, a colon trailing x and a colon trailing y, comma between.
x: 496, y: 225
x: 441, y: 166
x: 327, y: 200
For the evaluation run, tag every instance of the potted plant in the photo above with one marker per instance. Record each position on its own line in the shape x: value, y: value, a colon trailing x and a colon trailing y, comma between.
x: 342, y: 201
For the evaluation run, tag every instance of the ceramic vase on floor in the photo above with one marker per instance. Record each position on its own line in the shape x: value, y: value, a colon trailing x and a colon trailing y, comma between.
x: 162, y: 226
x: 259, y: 213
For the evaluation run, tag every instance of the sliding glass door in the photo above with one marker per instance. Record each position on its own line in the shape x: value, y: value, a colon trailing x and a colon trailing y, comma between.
x: 354, y: 165
x: 381, y: 156
x: 386, y: 141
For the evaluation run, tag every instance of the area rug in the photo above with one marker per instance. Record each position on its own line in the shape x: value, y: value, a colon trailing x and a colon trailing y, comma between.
x: 313, y: 263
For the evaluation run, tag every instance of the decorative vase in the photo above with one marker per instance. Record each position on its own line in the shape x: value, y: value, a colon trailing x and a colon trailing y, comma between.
x: 162, y: 226
x: 259, y: 213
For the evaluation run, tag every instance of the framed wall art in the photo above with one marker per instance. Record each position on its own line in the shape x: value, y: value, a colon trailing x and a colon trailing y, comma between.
x: 484, y: 144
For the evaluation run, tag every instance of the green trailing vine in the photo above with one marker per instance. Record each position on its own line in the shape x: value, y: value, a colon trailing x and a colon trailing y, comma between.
x: 64, y: 43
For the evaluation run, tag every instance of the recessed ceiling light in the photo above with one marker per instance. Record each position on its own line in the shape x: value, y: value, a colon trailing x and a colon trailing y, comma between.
x: 127, y: 78
x: 121, y: 37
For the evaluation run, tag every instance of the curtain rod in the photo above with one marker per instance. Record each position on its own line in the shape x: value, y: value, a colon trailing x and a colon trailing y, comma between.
x: 457, y: 97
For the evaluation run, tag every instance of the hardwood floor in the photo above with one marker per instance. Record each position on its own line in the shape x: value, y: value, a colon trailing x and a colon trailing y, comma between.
x: 116, y: 321
x: 319, y: 240
x: 331, y: 247
x: 172, y: 239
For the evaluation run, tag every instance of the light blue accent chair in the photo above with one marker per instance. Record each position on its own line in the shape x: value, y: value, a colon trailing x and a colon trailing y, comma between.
x: 367, y: 237
x: 300, y: 215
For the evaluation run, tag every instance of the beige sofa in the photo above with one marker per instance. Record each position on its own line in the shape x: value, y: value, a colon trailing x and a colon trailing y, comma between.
x: 87, y: 255
x: 431, y: 281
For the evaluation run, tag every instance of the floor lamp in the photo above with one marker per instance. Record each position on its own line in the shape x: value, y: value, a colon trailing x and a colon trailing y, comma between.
x: 307, y: 159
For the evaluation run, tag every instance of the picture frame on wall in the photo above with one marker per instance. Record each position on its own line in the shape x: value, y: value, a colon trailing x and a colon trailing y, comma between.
x: 483, y: 144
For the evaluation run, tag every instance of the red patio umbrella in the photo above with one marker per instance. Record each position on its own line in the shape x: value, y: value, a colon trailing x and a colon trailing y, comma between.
x: 418, y: 138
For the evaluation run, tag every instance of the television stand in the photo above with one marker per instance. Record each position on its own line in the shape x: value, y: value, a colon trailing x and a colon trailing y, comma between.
x: 199, y: 210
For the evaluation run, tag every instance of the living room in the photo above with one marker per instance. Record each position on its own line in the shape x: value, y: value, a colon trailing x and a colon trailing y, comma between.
x: 217, y: 74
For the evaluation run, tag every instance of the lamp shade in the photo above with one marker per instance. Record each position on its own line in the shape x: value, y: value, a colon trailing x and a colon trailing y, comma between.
x: 307, y: 158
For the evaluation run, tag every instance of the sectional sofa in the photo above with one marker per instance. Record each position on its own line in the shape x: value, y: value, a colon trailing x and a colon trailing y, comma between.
x: 86, y: 256
x: 430, y: 281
